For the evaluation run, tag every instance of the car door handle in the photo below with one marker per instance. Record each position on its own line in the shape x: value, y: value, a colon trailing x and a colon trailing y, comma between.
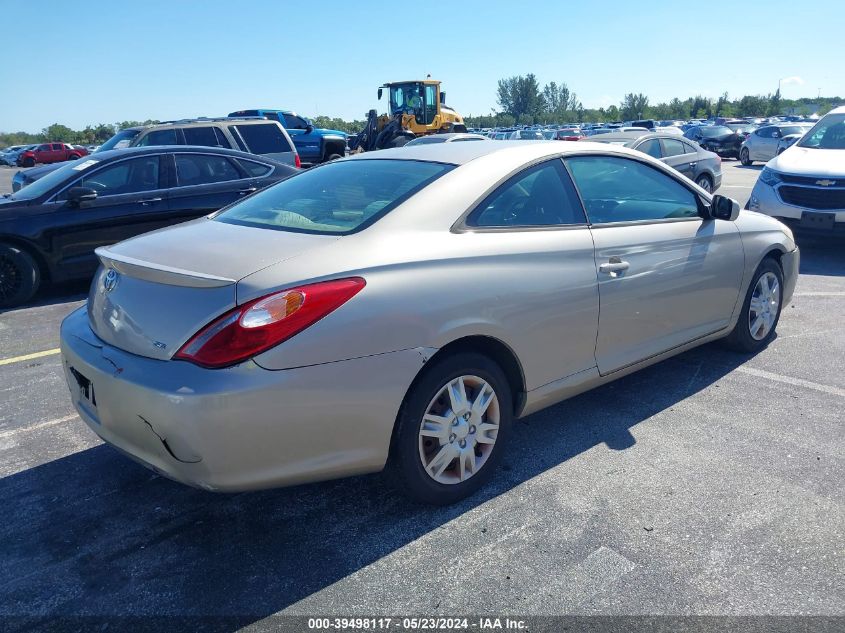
x: 148, y: 201
x: 693, y: 164
x: 244, y: 192
x: 614, y: 266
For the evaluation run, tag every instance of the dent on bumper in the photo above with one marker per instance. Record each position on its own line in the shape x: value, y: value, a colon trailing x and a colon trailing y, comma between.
x: 244, y: 427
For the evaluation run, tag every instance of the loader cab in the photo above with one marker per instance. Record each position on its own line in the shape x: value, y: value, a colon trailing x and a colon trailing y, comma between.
x: 418, y: 98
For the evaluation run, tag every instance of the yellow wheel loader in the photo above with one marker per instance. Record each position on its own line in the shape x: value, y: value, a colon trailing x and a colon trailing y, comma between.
x: 415, y: 108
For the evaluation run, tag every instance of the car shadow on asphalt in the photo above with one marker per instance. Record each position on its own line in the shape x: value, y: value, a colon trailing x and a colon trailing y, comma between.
x: 755, y: 167
x: 95, y: 533
x: 54, y: 294
x: 821, y: 255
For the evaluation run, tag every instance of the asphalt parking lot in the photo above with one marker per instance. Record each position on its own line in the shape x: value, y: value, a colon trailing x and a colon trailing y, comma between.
x: 710, y: 484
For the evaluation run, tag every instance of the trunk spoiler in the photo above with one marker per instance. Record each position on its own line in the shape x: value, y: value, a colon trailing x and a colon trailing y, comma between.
x: 158, y: 273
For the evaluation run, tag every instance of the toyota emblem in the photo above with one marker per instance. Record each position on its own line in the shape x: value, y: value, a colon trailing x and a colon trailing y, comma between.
x: 110, y: 280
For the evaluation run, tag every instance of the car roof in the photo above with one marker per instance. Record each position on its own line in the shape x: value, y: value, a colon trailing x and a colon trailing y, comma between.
x: 247, y: 120
x: 157, y: 149
x: 462, y: 153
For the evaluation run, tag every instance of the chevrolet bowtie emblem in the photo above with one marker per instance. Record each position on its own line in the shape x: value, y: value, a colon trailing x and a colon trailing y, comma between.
x: 825, y: 183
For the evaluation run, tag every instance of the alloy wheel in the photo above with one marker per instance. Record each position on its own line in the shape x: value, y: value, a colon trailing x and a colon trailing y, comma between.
x: 459, y: 429
x: 763, y: 310
x: 10, y: 278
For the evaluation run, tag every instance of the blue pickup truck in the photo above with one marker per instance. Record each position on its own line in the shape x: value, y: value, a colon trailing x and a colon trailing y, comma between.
x: 314, y: 145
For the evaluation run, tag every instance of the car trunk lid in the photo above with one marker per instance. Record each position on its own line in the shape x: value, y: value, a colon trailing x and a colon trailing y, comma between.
x: 153, y: 292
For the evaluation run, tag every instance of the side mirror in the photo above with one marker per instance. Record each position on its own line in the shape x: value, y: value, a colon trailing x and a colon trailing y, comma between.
x: 724, y: 208
x: 309, y: 128
x: 379, y: 94
x: 81, y: 196
x: 443, y: 98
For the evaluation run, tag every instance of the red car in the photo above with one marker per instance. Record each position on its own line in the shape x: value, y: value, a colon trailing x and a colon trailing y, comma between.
x: 50, y: 153
x: 569, y: 134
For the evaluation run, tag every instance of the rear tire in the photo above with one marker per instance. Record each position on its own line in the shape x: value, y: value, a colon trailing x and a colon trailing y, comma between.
x: 332, y: 157
x: 19, y: 276
x: 705, y: 183
x: 756, y: 325
x: 418, y: 445
x: 744, y: 157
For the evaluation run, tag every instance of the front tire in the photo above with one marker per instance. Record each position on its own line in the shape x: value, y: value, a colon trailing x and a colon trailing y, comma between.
x: 745, y: 157
x: 19, y: 276
x: 451, y: 429
x: 761, y: 310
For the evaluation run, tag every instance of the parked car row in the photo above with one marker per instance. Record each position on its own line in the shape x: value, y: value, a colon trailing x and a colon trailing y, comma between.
x: 253, y: 135
x: 49, y: 229
x: 804, y: 186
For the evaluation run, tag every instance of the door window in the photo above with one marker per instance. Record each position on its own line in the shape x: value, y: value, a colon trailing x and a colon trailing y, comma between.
x: 539, y: 196
x: 617, y: 189
x: 672, y: 147
x: 126, y: 176
x: 765, y: 132
x: 160, y: 137
x: 200, y: 136
x: 650, y: 147
x: 202, y: 169
x: 293, y: 122
x: 58, y: 146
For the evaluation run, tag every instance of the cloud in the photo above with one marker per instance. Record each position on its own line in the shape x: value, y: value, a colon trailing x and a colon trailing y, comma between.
x: 792, y: 80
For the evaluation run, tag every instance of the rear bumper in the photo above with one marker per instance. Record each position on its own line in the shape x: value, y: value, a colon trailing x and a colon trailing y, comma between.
x: 239, y: 428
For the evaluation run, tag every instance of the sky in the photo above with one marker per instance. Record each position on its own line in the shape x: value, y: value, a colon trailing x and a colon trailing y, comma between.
x: 94, y: 61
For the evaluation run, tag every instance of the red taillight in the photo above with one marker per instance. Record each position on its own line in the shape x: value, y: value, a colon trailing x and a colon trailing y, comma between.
x: 265, y: 322
x: 297, y: 163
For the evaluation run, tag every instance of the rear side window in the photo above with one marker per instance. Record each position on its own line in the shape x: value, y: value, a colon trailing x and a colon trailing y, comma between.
x: 255, y: 170
x: 264, y: 138
x: 539, y: 196
x: 200, y: 136
x: 671, y: 147
x: 160, y: 137
x: 203, y: 169
x: 617, y: 189
x: 335, y: 198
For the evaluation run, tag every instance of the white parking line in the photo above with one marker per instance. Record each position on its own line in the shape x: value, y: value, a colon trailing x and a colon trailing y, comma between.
x: 796, y: 382
x: 35, y: 427
x: 819, y: 294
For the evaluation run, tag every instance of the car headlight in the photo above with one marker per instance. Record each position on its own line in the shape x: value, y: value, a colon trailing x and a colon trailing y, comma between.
x: 770, y: 177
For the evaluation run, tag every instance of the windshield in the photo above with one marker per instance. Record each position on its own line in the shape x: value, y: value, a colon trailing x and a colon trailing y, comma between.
x: 54, y: 179
x: 828, y: 133
x: 120, y: 140
x: 715, y: 130
x: 336, y: 198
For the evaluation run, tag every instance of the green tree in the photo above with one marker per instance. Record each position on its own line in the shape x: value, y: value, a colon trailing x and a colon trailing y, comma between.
x: 520, y: 95
x: 59, y: 132
x: 634, y: 106
x: 774, y: 104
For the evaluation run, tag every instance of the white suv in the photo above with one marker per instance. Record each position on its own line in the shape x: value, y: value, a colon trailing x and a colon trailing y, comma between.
x: 805, y: 185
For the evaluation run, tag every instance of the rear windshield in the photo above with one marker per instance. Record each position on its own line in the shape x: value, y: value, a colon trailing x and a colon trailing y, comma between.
x: 264, y: 138
x: 336, y: 198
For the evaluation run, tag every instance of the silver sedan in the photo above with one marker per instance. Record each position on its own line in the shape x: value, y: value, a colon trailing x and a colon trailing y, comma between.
x: 401, y: 308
